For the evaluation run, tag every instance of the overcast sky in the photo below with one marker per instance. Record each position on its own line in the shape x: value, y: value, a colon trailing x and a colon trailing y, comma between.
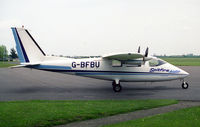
x: 97, y: 27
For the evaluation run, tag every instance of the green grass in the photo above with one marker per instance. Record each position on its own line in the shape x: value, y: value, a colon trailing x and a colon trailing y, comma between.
x: 189, y: 117
x: 6, y: 64
x: 183, y: 61
x: 49, y: 113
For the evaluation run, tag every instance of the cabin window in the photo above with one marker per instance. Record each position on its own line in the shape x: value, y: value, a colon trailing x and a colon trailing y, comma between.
x: 130, y: 65
x: 116, y: 63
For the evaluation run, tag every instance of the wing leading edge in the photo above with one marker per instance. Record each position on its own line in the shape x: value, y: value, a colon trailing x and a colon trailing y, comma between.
x: 123, y: 56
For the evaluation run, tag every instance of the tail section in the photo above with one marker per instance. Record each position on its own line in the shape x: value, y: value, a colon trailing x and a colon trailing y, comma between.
x: 27, y: 48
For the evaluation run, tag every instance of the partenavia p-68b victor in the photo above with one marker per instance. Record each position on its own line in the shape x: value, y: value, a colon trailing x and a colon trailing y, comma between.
x: 118, y: 67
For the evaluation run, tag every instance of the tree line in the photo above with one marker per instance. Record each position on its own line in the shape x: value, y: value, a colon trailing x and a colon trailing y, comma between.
x: 5, y: 56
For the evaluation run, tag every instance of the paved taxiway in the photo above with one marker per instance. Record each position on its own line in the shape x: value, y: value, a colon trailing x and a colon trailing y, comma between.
x: 26, y: 84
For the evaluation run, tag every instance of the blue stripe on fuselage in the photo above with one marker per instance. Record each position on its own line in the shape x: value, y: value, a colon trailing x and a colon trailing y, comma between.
x: 124, y: 73
x: 51, y: 67
x: 91, y: 72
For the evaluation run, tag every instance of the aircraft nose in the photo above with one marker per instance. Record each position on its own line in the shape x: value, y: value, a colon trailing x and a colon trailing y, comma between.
x: 184, y: 73
x: 181, y: 72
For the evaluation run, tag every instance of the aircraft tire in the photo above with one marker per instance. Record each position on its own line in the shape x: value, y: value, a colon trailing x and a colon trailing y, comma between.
x: 116, y: 87
x: 185, y: 85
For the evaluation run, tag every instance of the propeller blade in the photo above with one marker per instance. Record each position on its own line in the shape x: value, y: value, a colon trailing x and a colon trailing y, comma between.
x: 146, y: 52
x: 139, y: 49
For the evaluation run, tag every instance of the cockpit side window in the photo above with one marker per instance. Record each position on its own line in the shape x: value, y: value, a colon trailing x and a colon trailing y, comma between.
x: 156, y: 62
x: 153, y: 62
x: 161, y: 62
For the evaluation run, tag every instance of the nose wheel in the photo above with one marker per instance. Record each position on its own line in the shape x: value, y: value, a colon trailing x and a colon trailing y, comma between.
x: 185, y: 85
x: 116, y: 86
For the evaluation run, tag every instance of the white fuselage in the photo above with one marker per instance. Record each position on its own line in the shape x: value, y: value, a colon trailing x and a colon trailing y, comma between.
x: 102, y: 69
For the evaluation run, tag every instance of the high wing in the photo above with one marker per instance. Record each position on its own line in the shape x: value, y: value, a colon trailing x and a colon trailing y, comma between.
x: 127, y: 58
x: 123, y: 56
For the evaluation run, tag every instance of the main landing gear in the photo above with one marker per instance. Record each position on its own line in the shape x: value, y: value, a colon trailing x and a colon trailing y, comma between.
x: 185, y: 85
x: 116, y: 86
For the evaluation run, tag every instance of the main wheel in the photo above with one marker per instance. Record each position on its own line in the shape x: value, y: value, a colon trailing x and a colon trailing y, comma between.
x: 185, y: 85
x: 116, y: 87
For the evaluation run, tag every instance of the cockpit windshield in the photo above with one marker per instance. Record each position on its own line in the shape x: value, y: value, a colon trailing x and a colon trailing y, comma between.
x: 156, y: 62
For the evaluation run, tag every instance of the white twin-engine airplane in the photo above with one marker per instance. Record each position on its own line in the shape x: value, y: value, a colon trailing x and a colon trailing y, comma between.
x: 119, y: 67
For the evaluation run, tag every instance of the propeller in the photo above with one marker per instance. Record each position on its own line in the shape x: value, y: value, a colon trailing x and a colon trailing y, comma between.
x: 139, y: 49
x: 146, y: 52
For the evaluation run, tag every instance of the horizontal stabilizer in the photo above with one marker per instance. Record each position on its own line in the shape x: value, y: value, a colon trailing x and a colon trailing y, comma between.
x: 30, y: 64
x: 24, y: 65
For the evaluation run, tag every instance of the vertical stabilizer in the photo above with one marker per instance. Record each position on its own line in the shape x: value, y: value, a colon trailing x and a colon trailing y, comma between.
x: 27, y: 48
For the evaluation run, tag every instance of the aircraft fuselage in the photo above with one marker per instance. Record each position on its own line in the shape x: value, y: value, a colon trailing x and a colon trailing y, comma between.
x: 102, y: 69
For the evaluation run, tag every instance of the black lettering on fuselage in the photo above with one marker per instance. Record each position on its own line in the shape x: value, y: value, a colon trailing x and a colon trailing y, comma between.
x: 86, y: 64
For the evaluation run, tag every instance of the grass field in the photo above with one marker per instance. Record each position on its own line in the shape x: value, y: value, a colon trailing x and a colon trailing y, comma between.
x: 49, y: 113
x: 189, y: 117
x: 183, y: 61
x: 6, y: 64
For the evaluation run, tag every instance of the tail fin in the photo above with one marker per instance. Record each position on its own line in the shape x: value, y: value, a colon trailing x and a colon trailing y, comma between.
x: 27, y: 48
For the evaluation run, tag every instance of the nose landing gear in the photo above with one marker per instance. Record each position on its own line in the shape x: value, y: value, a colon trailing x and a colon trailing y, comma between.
x: 185, y: 85
x: 116, y: 86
